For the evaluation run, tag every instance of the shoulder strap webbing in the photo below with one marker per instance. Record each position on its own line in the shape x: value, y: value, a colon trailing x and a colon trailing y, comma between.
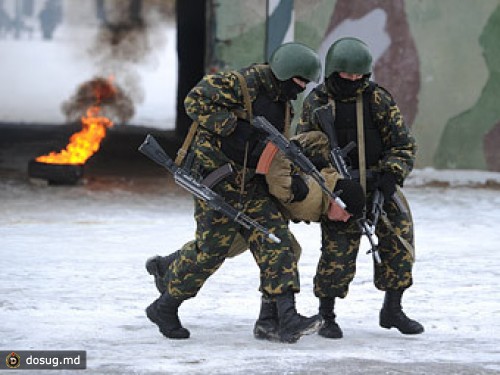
x: 361, y: 142
x: 246, y: 95
x: 248, y: 106
x: 182, y: 152
x: 288, y: 121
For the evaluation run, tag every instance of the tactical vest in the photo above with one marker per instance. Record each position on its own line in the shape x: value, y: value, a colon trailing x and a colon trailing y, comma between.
x: 345, y: 127
x: 233, y: 145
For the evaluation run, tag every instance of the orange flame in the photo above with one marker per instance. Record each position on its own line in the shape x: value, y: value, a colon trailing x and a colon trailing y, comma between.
x: 85, y: 143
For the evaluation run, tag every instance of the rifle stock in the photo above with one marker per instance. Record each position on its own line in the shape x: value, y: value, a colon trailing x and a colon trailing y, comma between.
x: 295, y: 154
x: 154, y: 151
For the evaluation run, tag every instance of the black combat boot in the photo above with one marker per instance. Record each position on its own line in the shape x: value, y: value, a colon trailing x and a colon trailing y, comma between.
x: 163, y: 312
x: 392, y: 315
x: 267, y: 326
x: 330, y: 328
x: 291, y: 324
x: 158, y: 266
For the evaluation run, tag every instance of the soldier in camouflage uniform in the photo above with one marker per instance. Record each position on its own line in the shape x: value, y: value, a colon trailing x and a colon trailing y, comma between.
x: 225, y: 135
x: 389, y: 155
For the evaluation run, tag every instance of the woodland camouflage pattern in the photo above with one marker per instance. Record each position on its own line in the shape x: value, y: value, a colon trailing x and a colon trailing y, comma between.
x: 341, y: 241
x: 211, y: 103
x: 238, y: 247
x: 340, y: 245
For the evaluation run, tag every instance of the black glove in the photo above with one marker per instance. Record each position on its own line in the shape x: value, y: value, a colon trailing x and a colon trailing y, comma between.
x: 351, y: 193
x: 319, y: 162
x: 299, y: 189
x: 387, y: 184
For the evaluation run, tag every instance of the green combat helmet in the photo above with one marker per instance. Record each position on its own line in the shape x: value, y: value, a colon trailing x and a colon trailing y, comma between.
x: 295, y: 60
x: 349, y: 55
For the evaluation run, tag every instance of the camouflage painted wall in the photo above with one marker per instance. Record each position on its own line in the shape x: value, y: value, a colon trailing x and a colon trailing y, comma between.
x: 439, y: 58
x: 237, y: 33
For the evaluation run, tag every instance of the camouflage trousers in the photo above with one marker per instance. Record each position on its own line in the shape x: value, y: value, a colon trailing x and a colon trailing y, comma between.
x: 216, y: 234
x: 340, y: 246
x: 238, y: 247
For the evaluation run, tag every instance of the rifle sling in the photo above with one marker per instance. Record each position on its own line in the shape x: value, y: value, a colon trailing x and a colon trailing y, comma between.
x: 399, y: 197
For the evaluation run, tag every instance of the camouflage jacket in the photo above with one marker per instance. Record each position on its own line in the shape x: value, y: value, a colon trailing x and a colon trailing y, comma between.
x: 214, y: 102
x: 398, y: 145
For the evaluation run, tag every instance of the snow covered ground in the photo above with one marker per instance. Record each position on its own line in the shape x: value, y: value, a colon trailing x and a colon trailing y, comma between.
x: 73, y: 277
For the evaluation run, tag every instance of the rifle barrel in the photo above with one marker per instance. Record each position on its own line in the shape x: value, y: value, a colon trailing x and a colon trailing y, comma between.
x: 151, y: 148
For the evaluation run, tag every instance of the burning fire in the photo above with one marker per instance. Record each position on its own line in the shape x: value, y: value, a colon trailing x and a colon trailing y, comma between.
x: 85, y: 143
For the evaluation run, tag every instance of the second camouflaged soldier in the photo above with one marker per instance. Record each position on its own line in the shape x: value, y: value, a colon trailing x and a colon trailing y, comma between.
x: 365, y: 113
x: 224, y: 136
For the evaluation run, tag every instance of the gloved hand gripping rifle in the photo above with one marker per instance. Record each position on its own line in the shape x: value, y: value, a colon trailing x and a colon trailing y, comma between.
x: 325, y: 119
x: 154, y: 151
x: 295, y: 155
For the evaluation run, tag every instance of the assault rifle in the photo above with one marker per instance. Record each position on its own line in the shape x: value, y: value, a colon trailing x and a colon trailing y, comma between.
x: 154, y: 151
x: 293, y: 153
x: 337, y: 156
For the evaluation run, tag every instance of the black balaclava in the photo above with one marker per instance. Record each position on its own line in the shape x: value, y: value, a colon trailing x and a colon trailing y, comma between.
x: 342, y: 88
x: 289, y: 89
